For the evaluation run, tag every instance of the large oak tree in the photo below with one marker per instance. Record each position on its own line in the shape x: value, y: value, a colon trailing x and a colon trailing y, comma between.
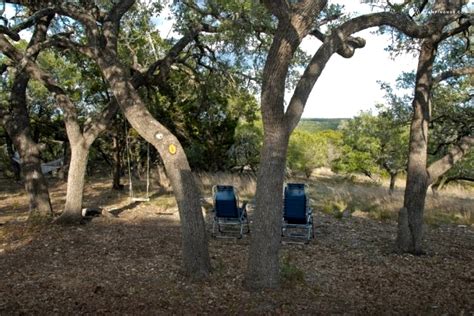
x: 101, y: 27
x: 296, y: 20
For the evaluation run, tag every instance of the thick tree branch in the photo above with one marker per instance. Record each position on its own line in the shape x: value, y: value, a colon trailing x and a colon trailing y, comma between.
x: 458, y: 178
x: 33, y: 19
x: 3, y: 68
x: 164, y: 65
x: 453, y: 73
x: 119, y: 9
x: 464, y: 26
x: 338, y: 41
x: 441, y: 166
x: 61, y: 40
x: 13, y: 35
x: 92, y: 128
x: 279, y: 8
x: 349, y: 45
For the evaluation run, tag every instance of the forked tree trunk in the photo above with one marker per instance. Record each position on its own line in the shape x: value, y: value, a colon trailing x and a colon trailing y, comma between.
x: 72, y: 213
x: 263, y: 264
x: 410, y: 233
x: 194, y: 238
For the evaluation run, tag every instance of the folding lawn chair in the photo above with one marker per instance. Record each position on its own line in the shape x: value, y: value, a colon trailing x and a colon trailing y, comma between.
x: 297, y: 222
x: 229, y: 219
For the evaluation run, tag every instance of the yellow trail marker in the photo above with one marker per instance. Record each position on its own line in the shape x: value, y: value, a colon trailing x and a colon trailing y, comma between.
x: 172, y: 149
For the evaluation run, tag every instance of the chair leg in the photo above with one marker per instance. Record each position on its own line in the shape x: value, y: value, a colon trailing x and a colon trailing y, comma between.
x: 214, y: 224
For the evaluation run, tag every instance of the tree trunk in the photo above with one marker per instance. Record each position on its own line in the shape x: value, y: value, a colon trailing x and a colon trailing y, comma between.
x: 117, y: 165
x: 263, y: 270
x: 72, y: 213
x: 393, y: 178
x: 194, y: 237
x: 263, y: 265
x: 417, y: 175
x: 35, y: 182
x: 18, y: 128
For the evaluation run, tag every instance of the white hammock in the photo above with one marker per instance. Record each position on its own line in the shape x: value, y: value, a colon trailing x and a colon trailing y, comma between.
x: 46, y: 167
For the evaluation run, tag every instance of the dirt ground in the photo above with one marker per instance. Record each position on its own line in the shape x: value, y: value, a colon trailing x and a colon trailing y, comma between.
x: 129, y: 262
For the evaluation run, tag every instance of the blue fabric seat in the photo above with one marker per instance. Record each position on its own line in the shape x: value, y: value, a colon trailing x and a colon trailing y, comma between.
x: 228, y: 214
x: 297, y: 219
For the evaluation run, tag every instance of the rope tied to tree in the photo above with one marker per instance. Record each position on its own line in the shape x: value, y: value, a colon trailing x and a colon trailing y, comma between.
x: 130, y: 182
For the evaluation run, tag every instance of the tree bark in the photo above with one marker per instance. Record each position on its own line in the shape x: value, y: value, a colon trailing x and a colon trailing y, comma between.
x: 417, y: 175
x: 194, y: 238
x: 72, y: 213
x: 18, y: 128
x: 457, y: 152
x: 263, y: 269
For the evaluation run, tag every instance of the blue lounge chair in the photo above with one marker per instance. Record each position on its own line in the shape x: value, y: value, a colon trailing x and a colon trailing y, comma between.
x: 297, y: 213
x: 228, y: 215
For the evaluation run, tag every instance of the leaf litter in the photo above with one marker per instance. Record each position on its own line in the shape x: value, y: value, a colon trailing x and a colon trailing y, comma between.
x: 130, y: 263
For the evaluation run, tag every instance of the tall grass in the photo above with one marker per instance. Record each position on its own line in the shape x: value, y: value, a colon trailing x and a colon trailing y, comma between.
x: 335, y: 194
x: 244, y: 183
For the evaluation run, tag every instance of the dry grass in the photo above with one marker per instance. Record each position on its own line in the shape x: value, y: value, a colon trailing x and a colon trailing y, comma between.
x: 245, y: 183
x: 329, y: 193
x: 369, y: 199
x: 360, y: 196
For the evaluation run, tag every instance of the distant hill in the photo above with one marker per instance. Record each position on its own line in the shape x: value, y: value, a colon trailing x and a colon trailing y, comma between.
x: 320, y: 124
